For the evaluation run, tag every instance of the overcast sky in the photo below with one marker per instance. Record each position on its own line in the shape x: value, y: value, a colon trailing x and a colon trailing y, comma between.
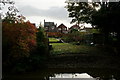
x: 38, y: 10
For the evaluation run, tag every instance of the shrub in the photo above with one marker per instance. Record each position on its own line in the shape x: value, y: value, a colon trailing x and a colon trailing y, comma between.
x: 55, y: 34
x: 77, y: 37
x: 24, y: 47
x: 42, y: 42
x: 19, y: 40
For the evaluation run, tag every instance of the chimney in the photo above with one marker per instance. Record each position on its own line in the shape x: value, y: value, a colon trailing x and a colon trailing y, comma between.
x: 44, y: 22
x: 56, y: 24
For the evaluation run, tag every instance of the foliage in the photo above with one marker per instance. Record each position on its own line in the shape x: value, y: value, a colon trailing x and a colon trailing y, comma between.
x: 55, y: 34
x: 23, y: 44
x: 107, y: 19
x: 19, y: 40
x: 73, y: 30
x: 81, y: 12
x: 72, y: 36
x: 11, y: 16
x: 19, y: 36
x: 25, y: 47
x: 42, y: 42
x: 78, y: 38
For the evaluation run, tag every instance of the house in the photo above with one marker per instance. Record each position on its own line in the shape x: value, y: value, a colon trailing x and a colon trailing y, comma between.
x: 34, y: 24
x: 76, y: 27
x: 62, y: 28
x: 50, y: 27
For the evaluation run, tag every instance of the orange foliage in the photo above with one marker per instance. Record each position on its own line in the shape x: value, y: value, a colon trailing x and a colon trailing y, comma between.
x: 19, y: 38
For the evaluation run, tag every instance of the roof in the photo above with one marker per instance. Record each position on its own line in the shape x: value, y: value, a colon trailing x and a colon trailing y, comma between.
x: 74, y: 26
x: 62, y: 26
x: 48, y: 23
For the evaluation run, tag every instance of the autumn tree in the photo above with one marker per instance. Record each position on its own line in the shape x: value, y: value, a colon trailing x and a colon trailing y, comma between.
x: 18, y: 38
x: 22, y: 43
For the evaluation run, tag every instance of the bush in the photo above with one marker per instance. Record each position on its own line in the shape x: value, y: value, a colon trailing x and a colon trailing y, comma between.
x: 24, y: 47
x: 42, y: 42
x: 77, y: 38
x: 55, y: 34
x: 19, y: 41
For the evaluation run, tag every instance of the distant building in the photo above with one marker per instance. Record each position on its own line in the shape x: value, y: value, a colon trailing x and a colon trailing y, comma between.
x: 50, y: 27
x: 34, y: 24
x: 74, y: 27
x: 62, y: 28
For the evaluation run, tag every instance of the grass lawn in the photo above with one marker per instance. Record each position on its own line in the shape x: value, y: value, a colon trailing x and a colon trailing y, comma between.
x: 60, y: 48
x: 53, y: 40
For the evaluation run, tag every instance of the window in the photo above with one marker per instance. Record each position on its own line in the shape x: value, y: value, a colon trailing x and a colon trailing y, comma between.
x: 52, y: 28
x: 64, y: 28
x: 59, y: 29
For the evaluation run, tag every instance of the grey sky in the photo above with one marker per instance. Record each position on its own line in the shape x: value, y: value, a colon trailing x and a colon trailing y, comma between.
x: 38, y: 10
x: 53, y: 12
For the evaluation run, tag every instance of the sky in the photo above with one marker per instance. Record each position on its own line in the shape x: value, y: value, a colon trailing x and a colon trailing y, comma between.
x: 37, y: 11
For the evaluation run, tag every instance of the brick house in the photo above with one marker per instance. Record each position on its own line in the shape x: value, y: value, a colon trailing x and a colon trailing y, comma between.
x: 62, y: 28
x: 50, y: 27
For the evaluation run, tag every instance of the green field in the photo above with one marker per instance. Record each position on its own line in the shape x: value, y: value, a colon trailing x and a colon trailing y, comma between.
x: 68, y: 48
x: 53, y: 40
x: 61, y: 48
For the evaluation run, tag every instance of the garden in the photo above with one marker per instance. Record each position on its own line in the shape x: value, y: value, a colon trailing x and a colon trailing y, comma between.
x: 28, y: 48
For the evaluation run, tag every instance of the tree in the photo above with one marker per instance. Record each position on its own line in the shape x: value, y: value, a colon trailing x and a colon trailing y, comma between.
x: 81, y: 12
x: 11, y: 15
x: 22, y: 44
x: 42, y: 42
x: 18, y: 39
x: 107, y: 19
